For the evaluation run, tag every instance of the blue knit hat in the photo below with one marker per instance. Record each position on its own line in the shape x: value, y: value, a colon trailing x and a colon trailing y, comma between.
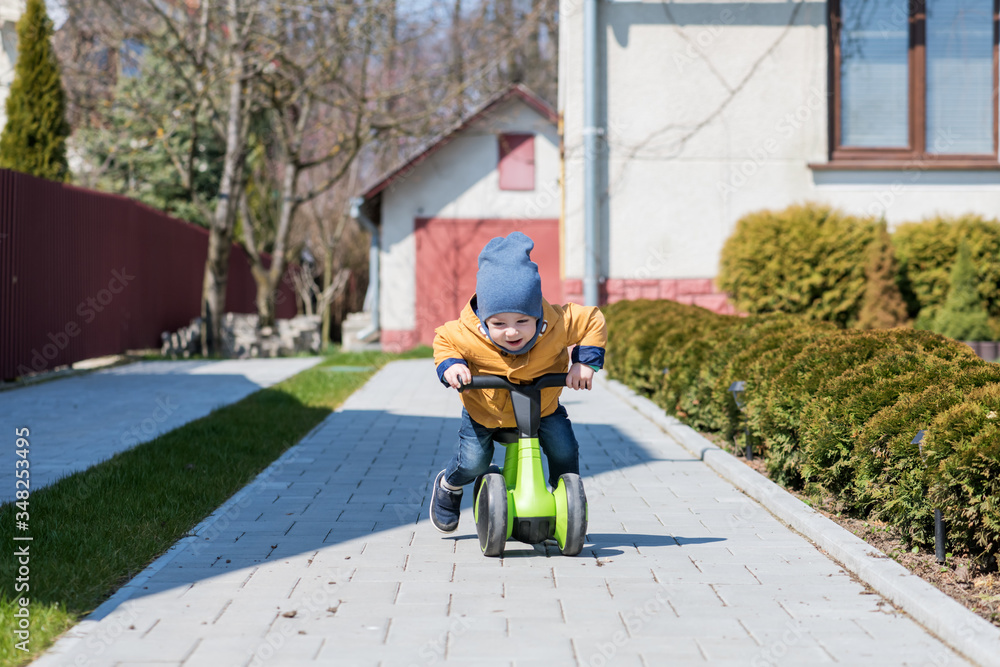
x: 508, y: 281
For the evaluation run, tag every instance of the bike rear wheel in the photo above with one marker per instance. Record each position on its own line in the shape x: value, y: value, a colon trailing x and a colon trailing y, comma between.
x: 571, y: 514
x: 491, y: 514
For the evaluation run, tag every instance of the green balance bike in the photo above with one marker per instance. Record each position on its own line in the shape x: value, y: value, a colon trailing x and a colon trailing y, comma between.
x: 514, y: 502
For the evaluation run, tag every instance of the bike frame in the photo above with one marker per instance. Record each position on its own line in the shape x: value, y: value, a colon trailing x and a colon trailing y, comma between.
x: 531, y: 505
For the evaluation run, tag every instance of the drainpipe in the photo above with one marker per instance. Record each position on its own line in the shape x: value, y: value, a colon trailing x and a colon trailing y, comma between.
x: 591, y: 133
x: 374, y: 253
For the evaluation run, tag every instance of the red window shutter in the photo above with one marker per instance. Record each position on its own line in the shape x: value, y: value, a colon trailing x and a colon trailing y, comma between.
x: 517, y: 162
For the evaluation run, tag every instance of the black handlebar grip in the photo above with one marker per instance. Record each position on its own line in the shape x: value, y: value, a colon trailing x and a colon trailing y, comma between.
x: 550, y: 380
x: 488, y: 382
x: 498, y: 382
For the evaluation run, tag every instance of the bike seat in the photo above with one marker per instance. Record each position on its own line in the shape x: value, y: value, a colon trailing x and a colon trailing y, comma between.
x: 506, y: 436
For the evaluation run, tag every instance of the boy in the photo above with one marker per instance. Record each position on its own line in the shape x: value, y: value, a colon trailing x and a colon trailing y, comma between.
x: 508, y: 329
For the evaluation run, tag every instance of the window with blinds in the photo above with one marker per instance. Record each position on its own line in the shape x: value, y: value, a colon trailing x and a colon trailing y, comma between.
x: 914, y: 79
x: 874, y: 74
x: 960, y: 76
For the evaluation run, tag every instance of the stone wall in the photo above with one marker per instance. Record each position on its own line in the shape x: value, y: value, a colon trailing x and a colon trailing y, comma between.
x: 243, y: 339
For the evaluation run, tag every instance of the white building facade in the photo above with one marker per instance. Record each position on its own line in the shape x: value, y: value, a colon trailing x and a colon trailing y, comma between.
x: 711, y: 110
x: 10, y: 12
x: 495, y: 173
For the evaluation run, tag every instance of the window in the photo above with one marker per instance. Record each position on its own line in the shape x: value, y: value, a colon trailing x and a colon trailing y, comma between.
x: 130, y: 57
x: 517, y: 162
x: 914, y: 80
x: 8, y: 33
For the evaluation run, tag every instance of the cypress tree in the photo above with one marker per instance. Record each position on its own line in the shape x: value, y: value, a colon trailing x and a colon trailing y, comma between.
x: 882, y: 306
x: 963, y: 316
x: 34, y: 138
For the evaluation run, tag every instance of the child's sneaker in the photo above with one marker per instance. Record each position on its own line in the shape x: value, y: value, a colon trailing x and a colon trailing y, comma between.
x: 445, y: 506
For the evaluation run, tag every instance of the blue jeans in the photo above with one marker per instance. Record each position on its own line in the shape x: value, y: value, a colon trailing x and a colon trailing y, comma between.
x: 475, y: 449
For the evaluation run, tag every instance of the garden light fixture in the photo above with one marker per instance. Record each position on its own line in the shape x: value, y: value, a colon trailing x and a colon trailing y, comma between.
x: 939, y: 540
x: 737, y: 389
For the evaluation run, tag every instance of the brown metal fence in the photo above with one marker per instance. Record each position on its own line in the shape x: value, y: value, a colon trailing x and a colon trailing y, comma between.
x: 85, y: 274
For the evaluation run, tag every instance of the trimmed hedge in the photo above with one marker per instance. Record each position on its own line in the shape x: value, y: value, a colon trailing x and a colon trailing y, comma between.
x: 804, y: 378
x: 831, y: 422
x: 926, y: 251
x: 705, y: 400
x: 833, y: 410
x: 890, y: 482
x: 963, y: 315
x: 807, y: 259
x: 819, y: 262
x: 963, y: 459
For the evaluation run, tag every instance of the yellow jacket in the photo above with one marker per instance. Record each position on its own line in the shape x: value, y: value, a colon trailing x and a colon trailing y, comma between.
x: 465, y: 339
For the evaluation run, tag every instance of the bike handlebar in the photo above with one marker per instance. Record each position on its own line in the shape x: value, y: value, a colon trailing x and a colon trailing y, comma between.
x: 498, y: 382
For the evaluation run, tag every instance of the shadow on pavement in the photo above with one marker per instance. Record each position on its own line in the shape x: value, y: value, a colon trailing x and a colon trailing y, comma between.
x: 360, y: 475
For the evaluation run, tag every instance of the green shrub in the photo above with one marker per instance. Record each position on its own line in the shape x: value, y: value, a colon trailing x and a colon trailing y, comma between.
x: 963, y: 316
x: 710, y: 389
x: 837, y: 409
x: 962, y: 446
x: 926, y: 251
x: 760, y: 375
x: 34, y: 137
x: 803, y: 378
x: 681, y: 355
x: 831, y: 421
x: 634, y: 328
x: 882, y: 306
x: 890, y: 481
x: 825, y: 359
x: 806, y: 259
x: 766, y: 363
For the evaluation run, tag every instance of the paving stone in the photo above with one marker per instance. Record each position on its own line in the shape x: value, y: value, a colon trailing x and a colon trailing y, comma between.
x: 333, y: 553
x: 613, y: 646
x: 142, y: 401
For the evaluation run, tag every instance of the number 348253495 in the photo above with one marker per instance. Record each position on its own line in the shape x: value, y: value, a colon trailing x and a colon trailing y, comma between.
x: 21, y: 463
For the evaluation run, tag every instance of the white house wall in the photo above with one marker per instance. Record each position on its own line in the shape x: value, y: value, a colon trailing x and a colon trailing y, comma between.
x: 713, y: 110
x: 461, y: 181
x: 10, y: 12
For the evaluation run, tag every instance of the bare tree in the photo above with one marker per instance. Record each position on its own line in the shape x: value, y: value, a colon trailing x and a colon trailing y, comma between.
x: 239, y: 22
x: 327, y: 95
x: 310, y: 87
x: 312, y: 64
x: 209, y: 45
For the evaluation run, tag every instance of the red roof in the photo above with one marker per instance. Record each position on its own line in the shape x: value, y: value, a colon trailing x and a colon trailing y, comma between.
x: 516, y: 91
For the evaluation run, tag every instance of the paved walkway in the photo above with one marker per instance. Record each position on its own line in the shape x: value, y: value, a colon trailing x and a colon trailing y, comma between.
x: 78, y: 421
x: 329, y: 558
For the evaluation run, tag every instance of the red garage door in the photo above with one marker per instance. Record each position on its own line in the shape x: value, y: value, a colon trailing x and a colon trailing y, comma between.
x: 447, y: 258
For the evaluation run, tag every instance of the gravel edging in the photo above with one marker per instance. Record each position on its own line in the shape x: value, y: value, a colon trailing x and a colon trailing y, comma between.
x: 963, y: 630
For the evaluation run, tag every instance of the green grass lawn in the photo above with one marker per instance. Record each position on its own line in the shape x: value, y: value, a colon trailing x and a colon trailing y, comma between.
x: 94, y: 530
